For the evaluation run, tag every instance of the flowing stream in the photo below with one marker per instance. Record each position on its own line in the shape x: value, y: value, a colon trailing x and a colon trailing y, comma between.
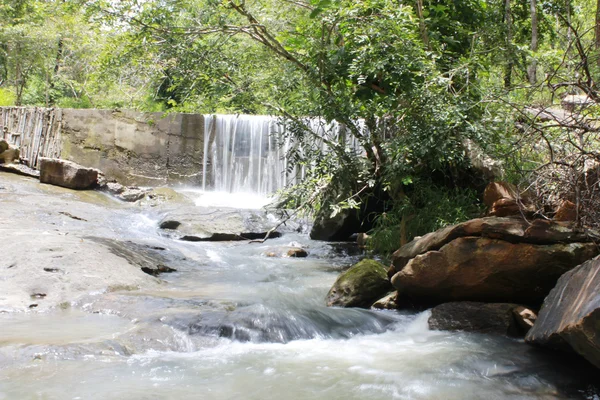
x: 232, y: 323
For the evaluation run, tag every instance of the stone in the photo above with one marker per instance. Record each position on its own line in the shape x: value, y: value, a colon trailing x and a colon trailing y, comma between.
x: 297, y: 252
x: 570, y: 317
x: 20, y: 169
x: 337, y: 228
x: 485, y: 165
x: 3, y: 145
x: 198, y: 224
x: 67, y: 174
x: 498, y: 190
x: 9, y: 155
x: 567, y: 211
x: 525, y: 317
x: 489, y: 270
x: 496, y: 318
x: 514, y: 230
x: 286, y: 251
x: 389, y: 302
x: 360, y: 286
x: 503, y: 200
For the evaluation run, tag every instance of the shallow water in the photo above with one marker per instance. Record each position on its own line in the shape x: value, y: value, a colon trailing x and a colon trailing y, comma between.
x: 232, y: 323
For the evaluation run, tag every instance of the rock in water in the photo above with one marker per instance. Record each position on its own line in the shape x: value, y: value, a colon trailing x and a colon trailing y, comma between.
x: 67, y: 174
x: 489, y: 270
x: 476, y: 317
x: 338, y: 228
x: 360, y: 286
x: 570, y: 316
x: 490, y: 260
x: 197, y: 224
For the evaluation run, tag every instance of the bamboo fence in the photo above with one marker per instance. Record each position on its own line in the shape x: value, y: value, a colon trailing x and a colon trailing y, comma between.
x: 36, y: 131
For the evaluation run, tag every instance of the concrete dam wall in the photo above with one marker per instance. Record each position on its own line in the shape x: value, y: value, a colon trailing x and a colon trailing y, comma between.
x: 132, y: 147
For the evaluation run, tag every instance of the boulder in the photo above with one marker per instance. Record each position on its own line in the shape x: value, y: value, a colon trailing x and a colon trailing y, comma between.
x: 469, y: 316
x: 198, y: 224
x: 567, y: 211
x: 286, y: 251
x: 360, y: 286
x: 503, y: 200
x: 67, y: 174
x: 513, y: 230
x: 297, y: 252
x: 337, y: 228
x: 489, y: 270
x: 389, y: 302
x: 570, y: 316
x: 525, y: 318
x: 9, y: 154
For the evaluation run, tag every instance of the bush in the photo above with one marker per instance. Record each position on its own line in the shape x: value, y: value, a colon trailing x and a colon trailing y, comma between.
x: 7, y: 98
x: 427, y: 209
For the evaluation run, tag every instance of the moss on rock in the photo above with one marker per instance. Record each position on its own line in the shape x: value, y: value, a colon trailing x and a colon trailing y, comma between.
x: 360, y: 286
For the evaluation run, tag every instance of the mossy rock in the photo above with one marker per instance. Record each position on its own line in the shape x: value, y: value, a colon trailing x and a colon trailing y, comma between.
x: 360, y: 286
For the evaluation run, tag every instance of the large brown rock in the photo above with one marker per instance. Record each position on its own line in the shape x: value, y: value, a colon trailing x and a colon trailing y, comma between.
x: 8, y: 153
x: 360, y: 286
x: 513, y: 230
x: 67, y: 174
x: 498, y: 318
x: 489, y: 270
x: 503, y: 200
x: 570, y: 316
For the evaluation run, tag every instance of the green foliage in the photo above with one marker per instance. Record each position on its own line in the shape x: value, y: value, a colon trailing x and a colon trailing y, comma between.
x: 426, y: 209
x: 7, y: 97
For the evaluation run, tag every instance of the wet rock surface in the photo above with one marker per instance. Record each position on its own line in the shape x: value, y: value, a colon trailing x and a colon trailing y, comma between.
x: 496, y: 318
x: 360, y: 286
x: 195, y: 224
x: 570, y: 317
x: 49, y: 259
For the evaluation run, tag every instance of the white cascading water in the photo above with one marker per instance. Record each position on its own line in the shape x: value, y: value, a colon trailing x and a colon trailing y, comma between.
x: 247, y: 153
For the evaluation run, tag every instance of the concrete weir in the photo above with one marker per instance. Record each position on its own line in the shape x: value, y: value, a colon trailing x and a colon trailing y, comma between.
x: 225, y: 153
x: 132, y: 147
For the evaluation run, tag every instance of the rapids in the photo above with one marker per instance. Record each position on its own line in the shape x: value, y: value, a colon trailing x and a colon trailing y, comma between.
x: 232, y: 323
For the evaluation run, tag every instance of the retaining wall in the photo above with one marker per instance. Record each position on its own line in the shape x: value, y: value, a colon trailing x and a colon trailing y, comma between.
x: 132, y: 147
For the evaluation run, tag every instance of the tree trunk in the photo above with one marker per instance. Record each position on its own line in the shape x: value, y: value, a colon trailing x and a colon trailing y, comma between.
x: 532, y: 71
x: 509, y: 46
x: 18, y: 76
x: 422, y: 26
x: 597, y: 30
x: 57, y: 61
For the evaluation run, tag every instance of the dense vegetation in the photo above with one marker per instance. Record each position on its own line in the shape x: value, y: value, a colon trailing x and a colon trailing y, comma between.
x: 415, y: 83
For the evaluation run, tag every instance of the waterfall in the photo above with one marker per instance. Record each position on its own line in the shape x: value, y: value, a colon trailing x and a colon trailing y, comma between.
x: 242, y: 154
x: 248, y: 153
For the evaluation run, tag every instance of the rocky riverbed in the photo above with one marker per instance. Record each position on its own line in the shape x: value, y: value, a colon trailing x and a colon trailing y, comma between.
x: 97, y: 301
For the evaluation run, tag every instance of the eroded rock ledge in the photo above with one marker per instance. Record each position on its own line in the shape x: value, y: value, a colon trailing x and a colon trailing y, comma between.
x: 490, y: 260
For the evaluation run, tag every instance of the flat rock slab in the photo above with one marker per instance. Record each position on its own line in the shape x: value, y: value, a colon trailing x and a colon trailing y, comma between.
x: 20, y: 169
x: 197, y: 224
x: 44, y: 270
x: 570, y: 316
